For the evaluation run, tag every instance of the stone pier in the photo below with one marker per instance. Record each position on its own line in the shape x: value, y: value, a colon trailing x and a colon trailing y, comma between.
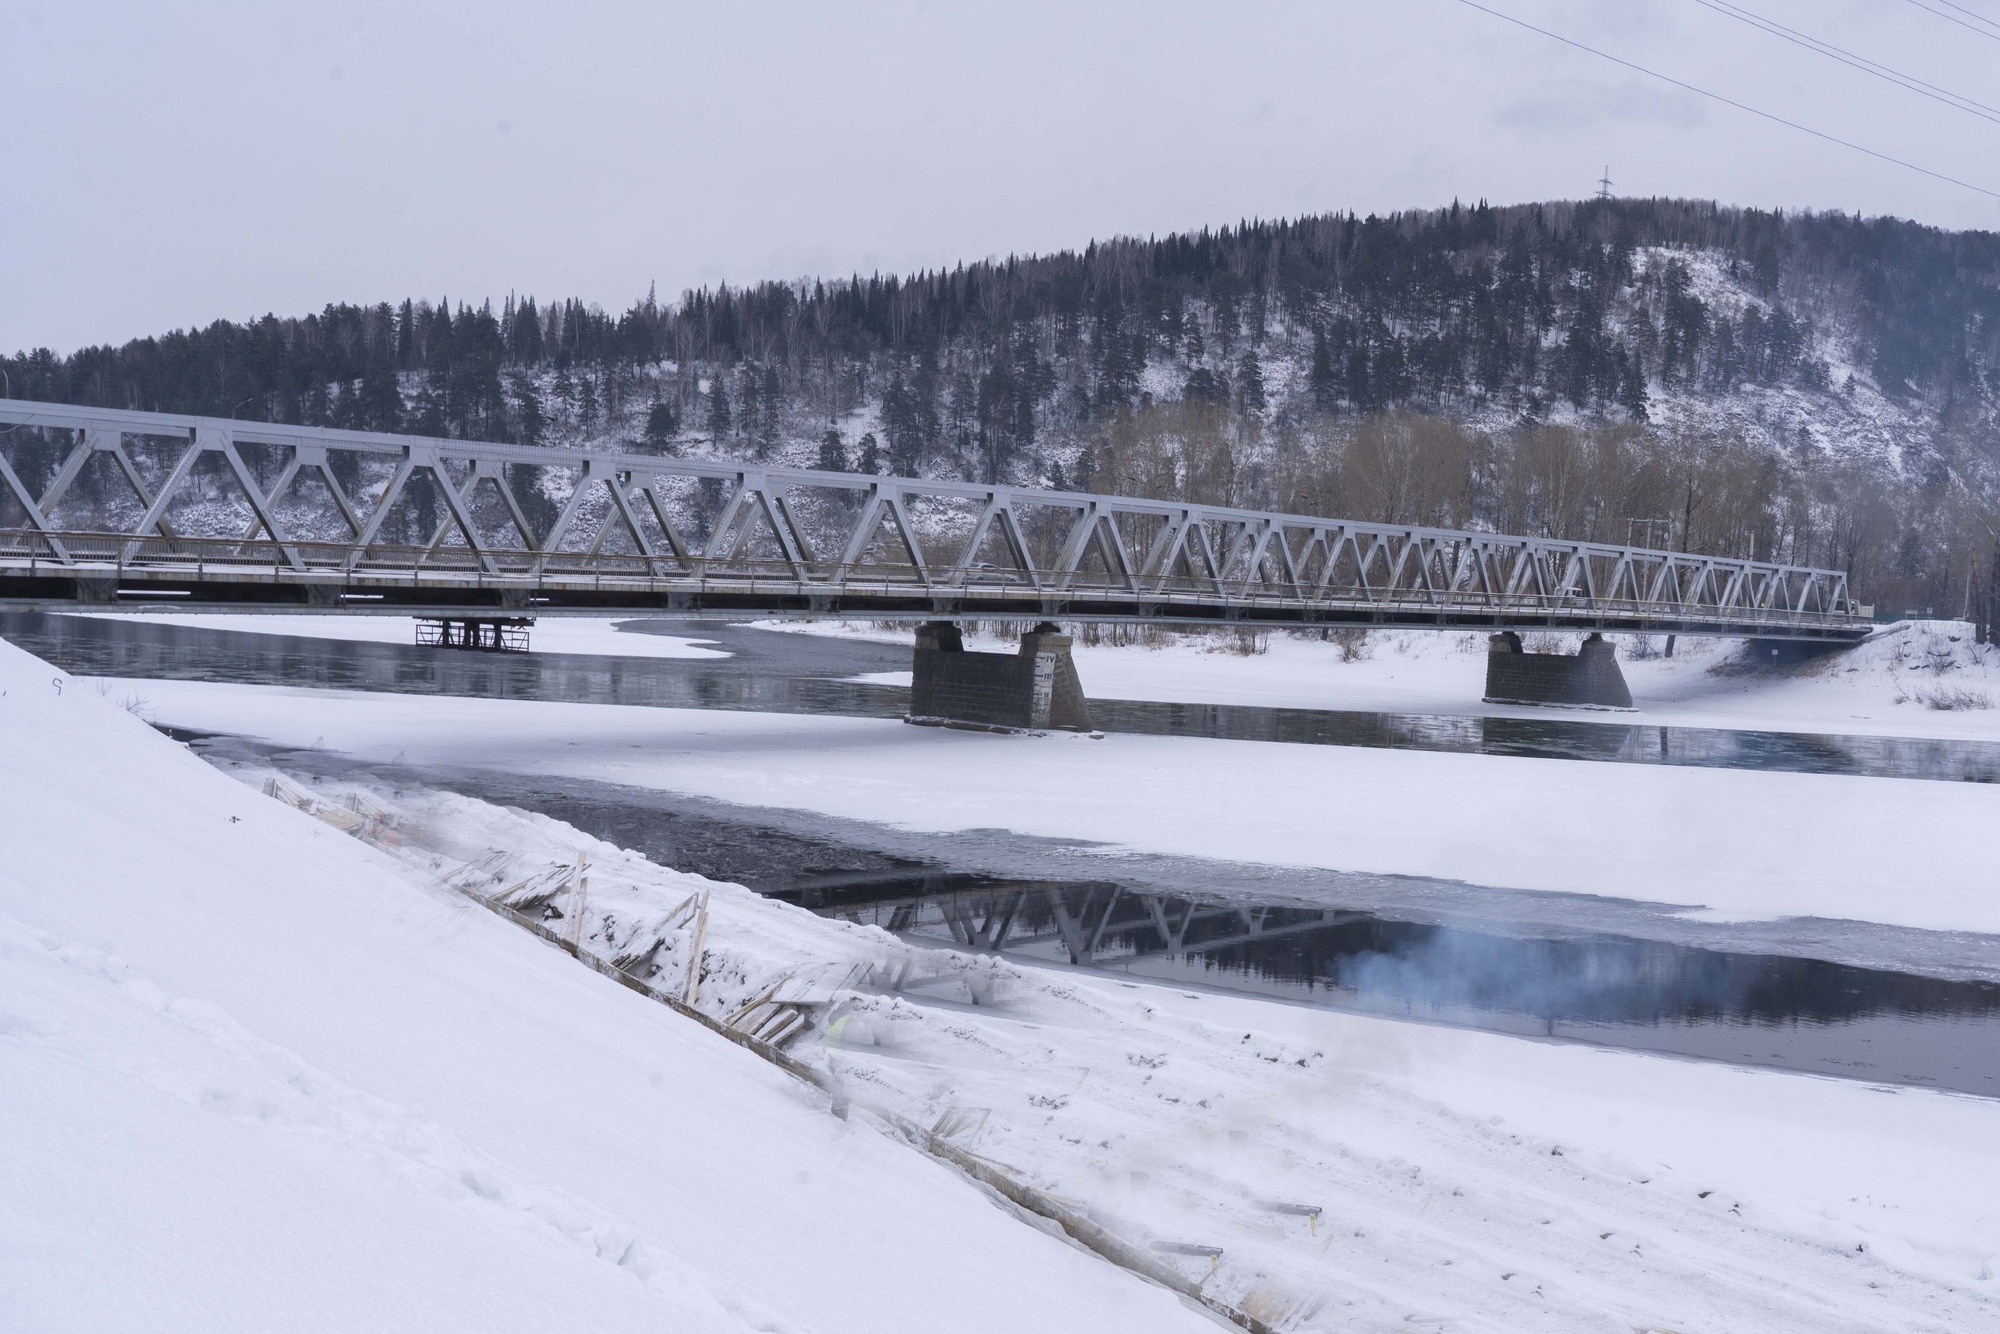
x: 1590, y: 677
x: 1035, y: 688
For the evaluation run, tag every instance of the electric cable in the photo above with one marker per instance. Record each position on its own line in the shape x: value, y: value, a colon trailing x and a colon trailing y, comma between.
x: 1910, y: 82
x: 1732, y: 102
x: 1953, y: 18
x: 1973, y: 12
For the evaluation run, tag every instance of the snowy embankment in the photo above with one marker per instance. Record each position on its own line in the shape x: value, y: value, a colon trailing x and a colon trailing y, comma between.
x: 1736, y: 844
x: 255, y: 1074
x: 1922, y: 678
x: 1318, y: 1170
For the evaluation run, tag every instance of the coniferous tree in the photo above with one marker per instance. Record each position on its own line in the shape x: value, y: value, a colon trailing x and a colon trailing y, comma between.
x: 530, y: 419
x: 718, y: 411
x: 1250, y: 383
x: 832, y: 451
x: 663, y: 425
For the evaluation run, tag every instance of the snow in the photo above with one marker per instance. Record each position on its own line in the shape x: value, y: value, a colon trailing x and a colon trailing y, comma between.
x: 1464, y: 1180
x: 1734, y: 844
x: 255, y: 1074
x: 1877, y: 689
x: 255, y: 1071
x: 550, y: 634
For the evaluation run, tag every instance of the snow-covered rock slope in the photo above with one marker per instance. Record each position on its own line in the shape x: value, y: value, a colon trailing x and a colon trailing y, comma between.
x: 254, y: 1076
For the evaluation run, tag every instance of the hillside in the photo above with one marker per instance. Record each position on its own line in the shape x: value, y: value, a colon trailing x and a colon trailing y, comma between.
x: 1815, y: 387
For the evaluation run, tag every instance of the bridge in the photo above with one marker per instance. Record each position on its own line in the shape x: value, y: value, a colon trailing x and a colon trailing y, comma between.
x: 214, y: 512
x: 101, y: 506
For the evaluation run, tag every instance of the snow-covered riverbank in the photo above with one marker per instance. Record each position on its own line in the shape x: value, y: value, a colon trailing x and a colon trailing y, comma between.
x: 1345, y: 1172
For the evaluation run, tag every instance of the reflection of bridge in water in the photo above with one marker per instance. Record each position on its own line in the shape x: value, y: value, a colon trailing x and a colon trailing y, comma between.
x: 99, y: 505
x: 1360, y: 960
x: 1102, y: 923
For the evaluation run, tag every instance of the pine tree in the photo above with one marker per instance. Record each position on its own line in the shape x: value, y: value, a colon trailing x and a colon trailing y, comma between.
x: 718, y: 411
x: 530, y: 421
x: 524, y: 482
x: 869, y: 455
x: 379, y: 399
x: 1250, y: 383
x: 663, y: 423
x: 832, y: 451
x: 1322, y: 381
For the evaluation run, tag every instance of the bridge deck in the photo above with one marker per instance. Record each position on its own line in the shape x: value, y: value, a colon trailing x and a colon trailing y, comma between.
x: 103, y: 507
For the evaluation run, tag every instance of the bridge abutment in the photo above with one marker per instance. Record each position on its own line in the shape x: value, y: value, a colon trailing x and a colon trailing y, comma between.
x: 1590, y: 677
x: 1035, y: 688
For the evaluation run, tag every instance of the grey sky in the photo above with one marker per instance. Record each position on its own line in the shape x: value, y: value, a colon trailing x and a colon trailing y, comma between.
x: 166, y: 165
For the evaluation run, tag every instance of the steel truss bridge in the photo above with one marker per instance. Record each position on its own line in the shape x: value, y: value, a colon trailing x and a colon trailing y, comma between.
x: 105, y: 506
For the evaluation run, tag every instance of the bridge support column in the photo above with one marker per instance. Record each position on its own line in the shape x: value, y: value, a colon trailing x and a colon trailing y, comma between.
x: 1589, y: 678
x: 1035, y: 688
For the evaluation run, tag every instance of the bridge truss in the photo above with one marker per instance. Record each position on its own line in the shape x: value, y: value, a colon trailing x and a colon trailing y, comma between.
x: 98, y: 505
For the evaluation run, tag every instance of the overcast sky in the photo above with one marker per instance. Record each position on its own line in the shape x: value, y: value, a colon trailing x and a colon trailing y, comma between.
x: 165, y: 165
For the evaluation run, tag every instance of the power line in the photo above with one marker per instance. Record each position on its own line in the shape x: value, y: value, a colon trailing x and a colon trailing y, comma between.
x: 1604, y: 183
x: 1963, y: 10
x: 1953, y: 18
x: 1911, y: 82
x: 1732, y: 102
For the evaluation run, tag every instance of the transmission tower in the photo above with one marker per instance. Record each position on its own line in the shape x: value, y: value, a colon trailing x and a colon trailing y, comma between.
x: 1604, y: 183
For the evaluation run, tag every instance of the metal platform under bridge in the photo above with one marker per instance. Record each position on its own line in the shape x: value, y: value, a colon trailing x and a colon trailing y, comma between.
x: 102, y: 506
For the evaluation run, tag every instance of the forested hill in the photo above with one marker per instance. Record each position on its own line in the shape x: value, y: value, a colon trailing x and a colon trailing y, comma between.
x: 1810, y: 385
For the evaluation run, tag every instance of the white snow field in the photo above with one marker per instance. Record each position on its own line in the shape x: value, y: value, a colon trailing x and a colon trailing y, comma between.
x: 1462, y: 1181
x: 593, y: 635
x: 1921, y: 678
x: 1733, y: 844
x: 256, y: 1075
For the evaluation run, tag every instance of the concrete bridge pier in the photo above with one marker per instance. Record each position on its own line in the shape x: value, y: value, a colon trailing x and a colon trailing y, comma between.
x: 1589, y: 677
x: 1035, y: 688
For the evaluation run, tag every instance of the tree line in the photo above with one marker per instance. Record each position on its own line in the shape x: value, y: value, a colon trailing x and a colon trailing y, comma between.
x: 1563, y: 337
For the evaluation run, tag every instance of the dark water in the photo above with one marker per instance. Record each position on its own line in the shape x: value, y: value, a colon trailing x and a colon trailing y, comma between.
x: 1758, y: 1009
x: 767, y: 672
x: 772, y: 671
